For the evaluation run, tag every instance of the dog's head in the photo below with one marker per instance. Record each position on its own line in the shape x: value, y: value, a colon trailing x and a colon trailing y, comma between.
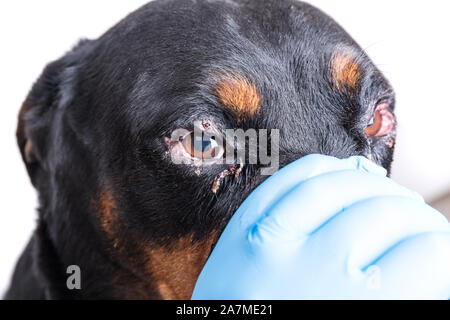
x: 97, y: 130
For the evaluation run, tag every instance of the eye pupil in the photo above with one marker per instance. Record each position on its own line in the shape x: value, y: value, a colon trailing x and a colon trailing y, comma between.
x: 201, y: 146
x: 206, y: 145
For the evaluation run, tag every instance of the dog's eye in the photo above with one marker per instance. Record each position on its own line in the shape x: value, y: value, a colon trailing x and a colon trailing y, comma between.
x: 382, y: 122
x: 202, y: 146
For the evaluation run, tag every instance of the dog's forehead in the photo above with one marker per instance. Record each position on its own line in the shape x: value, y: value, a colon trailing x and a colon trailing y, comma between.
x: 206, y: 32
x: 257, y: 59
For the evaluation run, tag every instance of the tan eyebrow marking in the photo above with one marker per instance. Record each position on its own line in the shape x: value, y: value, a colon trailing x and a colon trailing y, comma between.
x: 240, y: 96
x: 345, y: 71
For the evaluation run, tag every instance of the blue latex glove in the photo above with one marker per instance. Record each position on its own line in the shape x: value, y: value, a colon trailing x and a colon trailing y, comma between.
x: 324, y: 228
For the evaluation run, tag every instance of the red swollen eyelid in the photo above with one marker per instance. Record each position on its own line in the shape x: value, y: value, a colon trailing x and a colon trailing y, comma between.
x: 383, y: 122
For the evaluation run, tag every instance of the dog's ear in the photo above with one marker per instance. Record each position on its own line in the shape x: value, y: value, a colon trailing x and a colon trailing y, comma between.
x: 54, y: 90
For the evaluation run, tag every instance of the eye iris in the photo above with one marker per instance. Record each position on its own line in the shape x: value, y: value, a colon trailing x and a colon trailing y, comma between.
x: 201, y: 146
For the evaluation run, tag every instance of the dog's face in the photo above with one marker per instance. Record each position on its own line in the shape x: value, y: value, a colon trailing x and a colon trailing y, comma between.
x: 97, y: 129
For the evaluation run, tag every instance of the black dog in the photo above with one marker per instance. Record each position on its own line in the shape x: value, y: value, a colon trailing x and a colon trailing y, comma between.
x: 95, y: 134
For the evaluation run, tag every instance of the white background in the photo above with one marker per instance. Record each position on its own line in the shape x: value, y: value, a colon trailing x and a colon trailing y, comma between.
x: 408, y: 40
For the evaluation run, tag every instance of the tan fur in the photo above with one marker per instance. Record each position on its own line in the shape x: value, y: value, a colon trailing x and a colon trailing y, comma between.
x: 239, y: 95
x: 159, y: 272
x: 176, y: 268
x: 345, y: 71
x: 25, y: 144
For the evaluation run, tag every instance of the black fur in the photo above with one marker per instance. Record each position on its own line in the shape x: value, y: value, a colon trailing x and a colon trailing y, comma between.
x: 98, y: 116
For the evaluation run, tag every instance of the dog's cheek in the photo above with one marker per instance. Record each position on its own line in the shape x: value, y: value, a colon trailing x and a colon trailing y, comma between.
x: 176, y: 267
x: 167, y: 270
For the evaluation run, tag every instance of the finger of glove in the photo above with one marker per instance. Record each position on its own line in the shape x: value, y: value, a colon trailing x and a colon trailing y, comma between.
x: 312, y: 203
x: 275, y: 188
x: 417, y: 268
x: 365, y: 230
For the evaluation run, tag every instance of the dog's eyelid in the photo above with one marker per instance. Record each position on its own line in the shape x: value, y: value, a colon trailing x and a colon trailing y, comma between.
x: 387, y: 96
x: 368, y: 110
x: 382, y: 121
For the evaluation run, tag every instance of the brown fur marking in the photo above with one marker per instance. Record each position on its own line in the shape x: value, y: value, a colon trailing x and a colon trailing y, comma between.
x: 345, y: 71
x: 159, y: 272
x: 240, y: 96
x: 108, y: 217
x: 175, y: 269
x: 21, y: 133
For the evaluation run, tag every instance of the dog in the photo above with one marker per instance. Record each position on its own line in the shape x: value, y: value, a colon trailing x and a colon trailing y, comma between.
x: 95, y: 134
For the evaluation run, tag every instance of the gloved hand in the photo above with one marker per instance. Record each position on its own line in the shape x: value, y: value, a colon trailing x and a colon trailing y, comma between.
x: 324, y: 228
